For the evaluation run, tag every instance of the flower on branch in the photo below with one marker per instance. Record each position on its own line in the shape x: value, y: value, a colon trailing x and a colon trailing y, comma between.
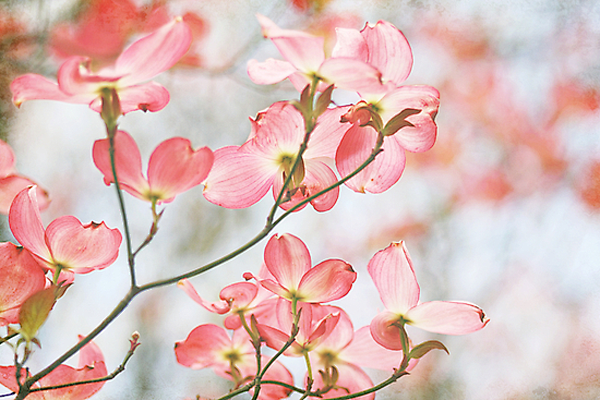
x: 393, y: 274
x: 91, y: 366
x: 144, y: 59
x: 242, y: 175
x: 174, y: 167
x: 66, y: 246
x: 12, y: 183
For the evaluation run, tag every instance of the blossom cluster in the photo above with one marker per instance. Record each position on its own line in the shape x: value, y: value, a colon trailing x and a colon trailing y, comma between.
x: 303, y: 151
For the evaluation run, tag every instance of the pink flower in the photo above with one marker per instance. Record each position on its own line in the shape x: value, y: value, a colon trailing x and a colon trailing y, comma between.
x: 242, y: 175
x: 143, y: 60
x: 231, y: 358
x: 288, y: 260
x: 305, y: 59
x: 65, y: 244
x: 174, y: 167
x: 384, y: 47
x: 20, y: 277
x: 12, y: 183
x: 91, y: 366
x: 392, y: 272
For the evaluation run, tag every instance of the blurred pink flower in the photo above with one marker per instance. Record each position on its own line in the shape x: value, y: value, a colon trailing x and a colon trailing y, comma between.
x: 65, y: 244
x: 174, y: 167
x: 143, y: 60
x: 393, y: 274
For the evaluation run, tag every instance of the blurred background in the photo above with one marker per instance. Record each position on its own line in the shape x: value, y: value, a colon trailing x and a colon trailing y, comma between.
x: 503, y: 212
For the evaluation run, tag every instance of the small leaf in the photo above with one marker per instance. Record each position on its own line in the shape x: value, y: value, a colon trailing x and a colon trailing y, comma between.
x: 34, y: 312
x: 323, y: 101
x: 399, y: 121
x: 425, y: 347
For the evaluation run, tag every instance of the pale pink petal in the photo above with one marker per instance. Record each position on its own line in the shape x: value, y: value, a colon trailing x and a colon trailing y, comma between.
x: 76, y: 80
x: 447, y: 317
x: 7, y: 160
x: 327, y: 281
x: 384, y: 332
x: 175, y: 167
x: 288, y: 259
x: 20, y: 277
x: 12, y: 185
x: 220, y: 307
x: 155, y: 53
x: 352, y: 379
x: 65, y: 374
x: 275, y: 339
x: 26, y: 224
x: 351, y: 74
x: 393, y: 274
x: 36, y: 87
x: 389, y: 51
x: 149, y: 96
x: 277, y: 372
x: 302, y: 50
x: 238, y: 179
x: 90, y: 354
x: 82, y: 248
x: 276, y: 288
x: 354, y: 149
x: 269, y: 71
x: 422, y: 135
x: 326, y: 137
x: 364, y: 351
x: 202, y: 347
x: 128, y: 163
x: 239, y: 295
x: 350, y: 43
x: 280, y: 131
x: 341, y: 336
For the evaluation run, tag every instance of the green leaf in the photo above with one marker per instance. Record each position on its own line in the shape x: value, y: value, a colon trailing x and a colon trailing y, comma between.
x: 34, y: 312
x: 425, y: 347
x: 399, y: 121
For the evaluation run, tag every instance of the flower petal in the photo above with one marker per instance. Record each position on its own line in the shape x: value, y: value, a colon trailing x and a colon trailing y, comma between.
x: 175, y: 167
x: 269, y: 71
x: 220, y: 307
x: 327, y: 281
x: 326, y: 137
x: 351, y: 379
x: 82, y: 248
x: 393, y: 274
x: 350, y: 43
x: 384, y: 332
x: 149, y: 96
x: 128, y: 163
x: 351, y: 74
x: 447, y: 317
x: 12, y: 185
x: 202, y: 347
x: 354, y: 149
x: 153, y: 54
x: 26, y: 224
x: 7, y: 159
x: 238, y: 179
x: 364, y: 351
x: 288, y: 259
x: 36, y: 87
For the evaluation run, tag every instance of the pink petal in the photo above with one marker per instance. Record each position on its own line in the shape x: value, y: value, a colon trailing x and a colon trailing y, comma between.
x: 302, y: 50
x: 82, y: 248
x: 269, y: 71
x: 355, y: 147
x: 20, y: 277
x: 202, y: 347
x: 175, y: 167
x: 389, y: 51
x: 149, y: 96
x: 352, y: 379
x: 350, y: 43
x: 26, y: 224
x: 12, y: 185
x: 220, y: 307
x: 36, y: 87
x: 7, y: 159
x: 77, y: 81
x: 341, y: 336
x: 393, y: 274
x: 384, y: 332
x: 277, y: 372
x: 275, y: 339
x: 326, y: 137
x: 422, y: 135
x: 288, y: 259
x: 279, y: 131
x: 238, y: 179
x: 351, y: 74
x: 128, y: 163
x: 367, y: 353
x: 90, y: 354
x: 327, y: 281
x: 155, y: 53
x: 239, y: 294
x: 447, y: 317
